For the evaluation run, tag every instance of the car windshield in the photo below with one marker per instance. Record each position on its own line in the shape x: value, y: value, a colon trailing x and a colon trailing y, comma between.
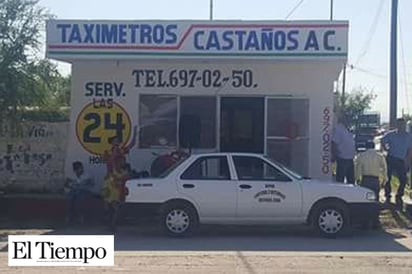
x: 285, y: 169
x: 172, y: 167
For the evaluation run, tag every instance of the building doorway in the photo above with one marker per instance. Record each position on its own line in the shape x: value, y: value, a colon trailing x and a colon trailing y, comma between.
x: 242, y: 124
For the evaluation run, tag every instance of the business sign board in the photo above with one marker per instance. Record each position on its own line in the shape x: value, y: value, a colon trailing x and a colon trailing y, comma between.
x: 71, y: 39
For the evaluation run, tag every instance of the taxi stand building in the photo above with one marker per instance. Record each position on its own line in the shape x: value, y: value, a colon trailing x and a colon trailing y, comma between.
x: 230, y: 86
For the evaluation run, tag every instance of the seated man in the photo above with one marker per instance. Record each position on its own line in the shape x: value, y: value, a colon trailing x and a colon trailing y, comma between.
x: 79, y: 188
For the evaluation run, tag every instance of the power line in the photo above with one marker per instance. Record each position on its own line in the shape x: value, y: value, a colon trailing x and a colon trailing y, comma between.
x: 294, y: 9
x: 371, y: 32
x: 370, y: 72
x: 373, y: 73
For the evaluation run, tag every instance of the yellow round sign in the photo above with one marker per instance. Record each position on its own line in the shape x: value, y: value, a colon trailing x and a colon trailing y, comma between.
x: 98, y: 123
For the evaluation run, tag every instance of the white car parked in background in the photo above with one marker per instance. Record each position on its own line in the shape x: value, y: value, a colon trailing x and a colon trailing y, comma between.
x: 242, y: 188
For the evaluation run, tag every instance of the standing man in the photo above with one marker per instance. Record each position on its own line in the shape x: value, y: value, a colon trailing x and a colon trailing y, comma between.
x: 79, y: 188
x: 370, y: 166
x: 343, y: 150
x: 398, y: 145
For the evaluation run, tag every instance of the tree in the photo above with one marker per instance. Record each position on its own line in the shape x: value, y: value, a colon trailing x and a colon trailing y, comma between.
x: 54, y: 88
x: 354, y: 103
x: 26, y: 81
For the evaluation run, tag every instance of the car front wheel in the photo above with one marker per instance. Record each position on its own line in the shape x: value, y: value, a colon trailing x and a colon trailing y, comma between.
x: 179, y: 220
x: 331, y: 220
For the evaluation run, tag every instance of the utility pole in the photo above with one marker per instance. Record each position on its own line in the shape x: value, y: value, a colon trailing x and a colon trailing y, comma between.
x: 343, y: 84
x: 211, y: 10
x: 393, y: 65
x: 344, y: 65
x: 331, y: 10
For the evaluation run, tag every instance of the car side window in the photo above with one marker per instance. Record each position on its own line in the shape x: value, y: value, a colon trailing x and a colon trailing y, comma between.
x: 255, y: 169
x: 208, y: 168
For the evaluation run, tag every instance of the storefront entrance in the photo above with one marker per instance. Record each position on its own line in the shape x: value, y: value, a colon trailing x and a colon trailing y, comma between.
x: 242, y: 124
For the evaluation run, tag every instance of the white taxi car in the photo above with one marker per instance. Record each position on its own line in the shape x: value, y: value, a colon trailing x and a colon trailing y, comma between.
x: 242, y: 188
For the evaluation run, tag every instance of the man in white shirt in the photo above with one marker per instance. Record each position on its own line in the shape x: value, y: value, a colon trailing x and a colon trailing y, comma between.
x: 343, y: 150
x: 79, y: 188
x: 370, y: 168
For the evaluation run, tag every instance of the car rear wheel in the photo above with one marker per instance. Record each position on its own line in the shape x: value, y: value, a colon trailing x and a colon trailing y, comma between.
x: 179, y: 220
x: 331, y: 219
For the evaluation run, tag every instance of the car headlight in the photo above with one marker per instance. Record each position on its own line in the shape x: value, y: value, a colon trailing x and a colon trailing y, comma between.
x: 370, y: 196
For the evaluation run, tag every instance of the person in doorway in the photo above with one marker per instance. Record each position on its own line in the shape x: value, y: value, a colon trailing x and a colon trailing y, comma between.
x: 78, y: 188
x: 398, y: 144
x: 343, y: 151
x: 370, y: 171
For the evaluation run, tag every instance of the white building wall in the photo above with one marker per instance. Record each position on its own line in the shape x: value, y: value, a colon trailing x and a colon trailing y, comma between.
x: 307, y: 79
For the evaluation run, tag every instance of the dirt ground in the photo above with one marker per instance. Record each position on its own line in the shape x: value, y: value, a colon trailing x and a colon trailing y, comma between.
x: 238, y: 262
x: 240, y: 251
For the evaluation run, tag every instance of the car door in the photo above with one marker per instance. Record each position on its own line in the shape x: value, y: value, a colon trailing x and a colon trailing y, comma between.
x: 207, y: 182
x: 264, y: 191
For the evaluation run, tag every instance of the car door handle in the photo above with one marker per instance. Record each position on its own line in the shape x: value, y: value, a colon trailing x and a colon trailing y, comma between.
x: 245, y: 186
x: 188, y: 186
